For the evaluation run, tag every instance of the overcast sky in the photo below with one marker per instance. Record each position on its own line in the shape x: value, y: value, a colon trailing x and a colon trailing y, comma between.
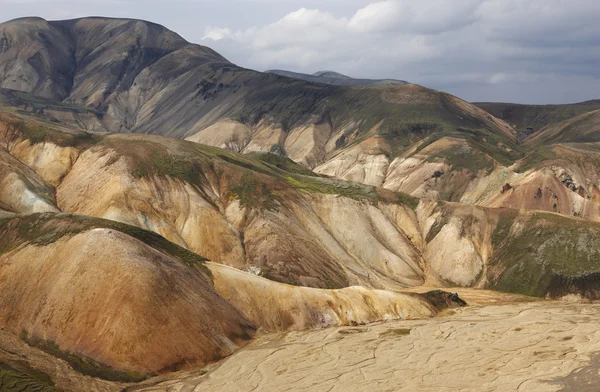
x: 528, y: 51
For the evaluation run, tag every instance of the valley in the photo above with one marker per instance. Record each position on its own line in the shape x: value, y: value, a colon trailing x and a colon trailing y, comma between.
x: 172, y: 221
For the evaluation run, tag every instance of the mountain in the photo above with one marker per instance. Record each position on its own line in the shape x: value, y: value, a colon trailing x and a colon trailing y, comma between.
x: 139, y: 77
x: 266, y: 215
x: 528, y: 119
x: 330, y: 74
x: 405, y: 138
x: 337, y: 79
x: 161, y: 207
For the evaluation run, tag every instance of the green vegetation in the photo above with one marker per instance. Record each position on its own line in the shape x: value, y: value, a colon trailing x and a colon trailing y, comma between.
x: 20, y: 377
x: 47, y: 228
x: 181, y: 160
x: 536, y: 116
x: 579, y: 129
x: 83, y: 364
x: 408, y: 200
x: 252, y: 193
x: 284, y: 101
x: 506, y: 220
x: 348, y: 189
x: 190, y: 162
x: 405, y: 115
x: 463, y: 157
x: 38, y: 133
x: 264, y: 176
x: 282, y: 163
x: 535, y: 157
x: 545, y: 245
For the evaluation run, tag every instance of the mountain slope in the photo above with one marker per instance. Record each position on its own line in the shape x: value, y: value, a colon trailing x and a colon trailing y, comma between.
x: 136, y: 76
x: 584, y: 128
x: 528, y: 119
x: 337, y: 79
x: 228, y: 207
x: 150, y: 306
x: 264, y: 214
x: 140, y: 77
x: 255, y: 214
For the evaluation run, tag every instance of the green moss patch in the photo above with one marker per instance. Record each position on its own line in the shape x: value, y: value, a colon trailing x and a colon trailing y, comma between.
x: 39, y: 133
x: 20, y: 377
x: 282, y: 163
x: 535, y: 157
x: 252, y: 193
x: 84, y: 365
x: 543, y: 246
x: 463, y: 157
x: 46, y: 228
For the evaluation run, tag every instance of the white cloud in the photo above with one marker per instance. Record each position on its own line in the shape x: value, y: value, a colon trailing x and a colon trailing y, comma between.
x: 379, y: 16
x: 499, y: 78
x: 217, y: 33
x: 425, y: 16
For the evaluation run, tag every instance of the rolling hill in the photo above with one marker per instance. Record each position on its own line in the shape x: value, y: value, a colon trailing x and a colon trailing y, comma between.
x: 266, y: 215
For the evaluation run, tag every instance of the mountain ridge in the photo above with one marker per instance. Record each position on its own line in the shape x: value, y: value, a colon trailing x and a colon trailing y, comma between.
x: 337, y: 79
x: 185, y: 91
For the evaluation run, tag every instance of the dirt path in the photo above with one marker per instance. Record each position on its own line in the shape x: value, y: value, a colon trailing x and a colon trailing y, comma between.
x: 540, y: 346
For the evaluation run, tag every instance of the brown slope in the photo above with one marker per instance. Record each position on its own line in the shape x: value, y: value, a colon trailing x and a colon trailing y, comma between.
x: 151, y: 312
x: 526, y: 252
x: 248, y: 212
x: 269, y: 216
x: 21, y: 189
x: 276, y: 306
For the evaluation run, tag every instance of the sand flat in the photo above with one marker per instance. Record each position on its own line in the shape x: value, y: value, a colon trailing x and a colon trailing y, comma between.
x: 531, y: 346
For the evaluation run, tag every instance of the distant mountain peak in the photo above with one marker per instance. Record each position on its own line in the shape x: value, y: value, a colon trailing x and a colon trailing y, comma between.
x: 337, y: 79
x: 331, y: 74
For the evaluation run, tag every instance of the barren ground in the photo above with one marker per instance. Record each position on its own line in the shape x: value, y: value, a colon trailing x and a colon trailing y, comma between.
x: 519, y: 346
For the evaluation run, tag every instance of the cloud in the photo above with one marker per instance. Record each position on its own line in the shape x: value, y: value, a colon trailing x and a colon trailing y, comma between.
x: 426, y: 17
x: 442, y: 44
x: 499, y: 78
x: 217, y: 33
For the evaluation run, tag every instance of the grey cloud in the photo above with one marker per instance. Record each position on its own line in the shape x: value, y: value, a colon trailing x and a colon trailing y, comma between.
x: 519, y: 50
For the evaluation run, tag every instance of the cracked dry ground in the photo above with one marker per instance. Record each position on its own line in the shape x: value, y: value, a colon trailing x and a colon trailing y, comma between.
x: 539, y: 346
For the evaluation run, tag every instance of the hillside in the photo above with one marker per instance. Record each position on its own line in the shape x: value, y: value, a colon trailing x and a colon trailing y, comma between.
x: 337, y: 79
x: 139, y: 77
x: 267, y: 215
x: 48, y: 263
x: 528, y: 119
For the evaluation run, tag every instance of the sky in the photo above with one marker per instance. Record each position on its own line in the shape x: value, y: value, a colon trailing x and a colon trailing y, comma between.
x: 522, y: 51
